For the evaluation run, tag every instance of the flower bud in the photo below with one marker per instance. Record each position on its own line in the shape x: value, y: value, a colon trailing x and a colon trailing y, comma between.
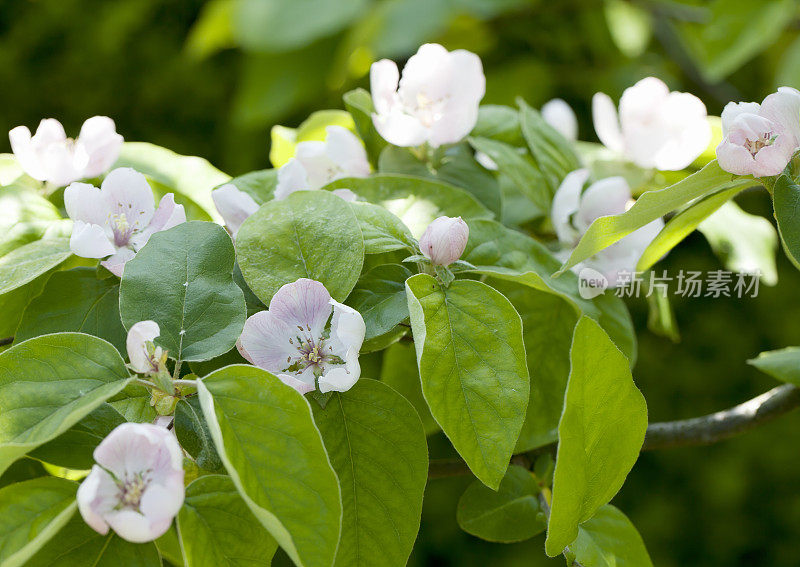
x: 444, y: 240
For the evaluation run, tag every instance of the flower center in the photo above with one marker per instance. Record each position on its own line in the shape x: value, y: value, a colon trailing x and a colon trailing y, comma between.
x: 764, y: 140
x: 311, y: 353
x: 427, y: 110
x: 130, y: 491
x: 122, y: 229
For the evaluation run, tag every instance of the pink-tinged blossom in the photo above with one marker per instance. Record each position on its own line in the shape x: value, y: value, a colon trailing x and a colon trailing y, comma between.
x: 116, y: 220
x: 655, y: 128
x: 760, y: 139
x: 136, y: 487
x: 234, y: 205
x: 145, y: 357
x: 315, y: 164
x: 436, y: 100
x: 50, y: 156
x: 444, y: 240
x: 558, y: 114
x: 575, y: 209
x: 306, y: 338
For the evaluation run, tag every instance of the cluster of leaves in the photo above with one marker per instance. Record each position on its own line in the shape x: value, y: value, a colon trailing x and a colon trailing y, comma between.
x: 506, y: 359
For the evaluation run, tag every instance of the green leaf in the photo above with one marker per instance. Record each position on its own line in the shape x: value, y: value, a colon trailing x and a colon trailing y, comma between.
x: 265, y: 435
x: 399, y: 371
x: 23, y: 469
x: 275, y: 26
x: 182, y: 279
x: 48, y: 384
x: 382, y: 489
x: 311, y: 234
x: 506, y: 254
x: 74, y: 448
x: 30, y: 261
x: 553, y: 153
x: 548, y: 322
x: 382, y: 231
x: 31, y: 512
x: 169, y: 547
x: 681, y: 225
x: 416, y: 201
x: 745, y: 243
x: 358, y: 103
x: 78, y: 545
x: 380, y: 297
x: 314, y: 128
x: 524, y: 174
x: 599, y: 437
x: 187, y: 176
x: 25, y: 216
x: 786, y: 200
x: 651, y: 205
x: 260, y: 185
x: 217, y: 529
x: 75, y: 300
x: 510, y: 514
x: 133, y: 403
x: 783, y: 364
x: 609, y: 539
x: 499, y: 123
x: 471, y: 360
x: 194, y: 436
x: 14, y: 303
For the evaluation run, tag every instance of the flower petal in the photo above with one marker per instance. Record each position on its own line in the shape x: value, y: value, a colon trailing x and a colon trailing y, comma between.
x: 384, y: 77
x: 85, y: 202
x: 99, y: 139
x: 136, y: 344
x: 558, y: 114
x: 291, y: 177
x: 607, y: 196
x: 116, y: 263
x: 96, y: 494
x: 565, y: 204
x: 606, y: 122
x: 347, y: 327
x: 131, y: 526
x: 345, y: 150
x: 234, y: 205
x: 167, y: 215
x: 303, y: 305
x: 265, y: 341
x: 734, y: 109
x: 341, y: 378
x: 400, y: 129
x: 303, y: 382
x: 21, y: 145
x: 90, y: 241
x: 127, y: 192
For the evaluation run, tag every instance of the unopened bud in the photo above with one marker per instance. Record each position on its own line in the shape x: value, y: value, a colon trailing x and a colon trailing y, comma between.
x: 444, y: 240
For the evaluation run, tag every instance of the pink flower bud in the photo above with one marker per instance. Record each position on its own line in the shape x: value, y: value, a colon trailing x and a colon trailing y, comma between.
x: 444, y: 240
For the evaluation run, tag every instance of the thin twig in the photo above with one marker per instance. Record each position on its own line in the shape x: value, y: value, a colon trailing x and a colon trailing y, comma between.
x: 704, y: 430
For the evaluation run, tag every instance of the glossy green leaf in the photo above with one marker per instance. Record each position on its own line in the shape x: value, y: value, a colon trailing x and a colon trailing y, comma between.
x: 48, y: 384
x: 310, y: 234
x: 31, y: 512
x: 682, y: 225
x: 399, y: 370
x: 381, y: 489
x: 512, y: 513
x: 599, y: 436
x: 527, y: 178
x: 74, y: 448
x: 14, y: 303
x: 609, y: 539
x: 553, y: 154
x: 382, y: 231
x: 25, y: 216
x: 133, y: 403
x: 78, y: 545
x: 380, y: 297
x: 192, y: 431
x: 786, y: 200
x: 651, y: 205
x: 358, y: 103
x: 24, y: 469
x: 499, y: 123
x: 217, y: 529
x: 30, y: 261
x: 414, y: 200
x: 260, y: 185
x: 188, y: 176
x: 783, y: 364
x: 471, y: 360
x: 169, y: 547
x: 182, y: 279
x: 75, y: 300
x: 506, y: 254
x: 745, y: 243
x: 266, y: 437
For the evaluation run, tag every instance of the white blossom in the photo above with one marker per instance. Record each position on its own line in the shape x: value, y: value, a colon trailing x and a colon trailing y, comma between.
x: 234, y: 205
x: 444, y: 240
x: 145, y: 357
x: 50, y: 156
x: 558, y: 114
x: 295, y: 341
x: 136, y: 487
x: 116, y: 220
x: 655, y: 128
x: 436, y: 100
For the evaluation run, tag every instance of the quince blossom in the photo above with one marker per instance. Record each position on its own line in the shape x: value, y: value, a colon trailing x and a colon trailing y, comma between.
x: 234, y: 205
x: 444, y: 240
x: 558, y: 114
x: 760, y: 139
x: 315, y: 164
x: 50, y: 156
x: 116, y: 220
x: 574, y: 209
x: 436, y: 100
x: 655, y: 127
x: 136, y: 488
x: 145, y: 357
x: 294, y: 341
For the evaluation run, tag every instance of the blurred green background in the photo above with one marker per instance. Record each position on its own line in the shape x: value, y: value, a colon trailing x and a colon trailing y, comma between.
x: 211, y: 78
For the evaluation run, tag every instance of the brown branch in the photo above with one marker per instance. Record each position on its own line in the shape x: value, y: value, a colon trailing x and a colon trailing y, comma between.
x: 704, y: 430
